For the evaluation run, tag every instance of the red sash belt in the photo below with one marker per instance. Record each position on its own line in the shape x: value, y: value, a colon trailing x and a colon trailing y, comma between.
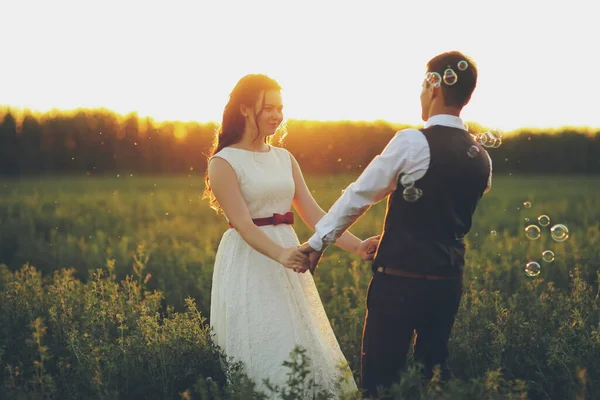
x: 276, y: 219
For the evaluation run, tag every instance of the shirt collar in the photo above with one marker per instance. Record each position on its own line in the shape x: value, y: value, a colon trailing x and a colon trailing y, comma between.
x: 445, y: 120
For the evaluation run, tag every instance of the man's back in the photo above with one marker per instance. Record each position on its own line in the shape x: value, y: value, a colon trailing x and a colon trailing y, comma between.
x: 426, y: 236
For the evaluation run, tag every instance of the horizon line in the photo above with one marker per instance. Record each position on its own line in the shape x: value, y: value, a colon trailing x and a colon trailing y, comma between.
x: 4, y: 109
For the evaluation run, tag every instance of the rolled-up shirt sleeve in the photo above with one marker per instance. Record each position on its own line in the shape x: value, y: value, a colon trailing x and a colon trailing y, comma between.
x: 378, y: 180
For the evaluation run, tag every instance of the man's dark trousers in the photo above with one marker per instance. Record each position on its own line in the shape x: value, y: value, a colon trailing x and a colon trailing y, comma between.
x: 396, y: 307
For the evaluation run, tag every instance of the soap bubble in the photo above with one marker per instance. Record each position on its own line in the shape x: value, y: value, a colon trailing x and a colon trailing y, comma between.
x: 532, y: 232
x: 433, y: 78
x: 407, y: 181
x: 450, y: 77
x: 490, y: 139
x: 412, y: 194
x: 473, y: 151
x: 494, y: 138
x: 533, y: 268
x: 548, y: 256
x: 559, y: 232
x: 544, y: 220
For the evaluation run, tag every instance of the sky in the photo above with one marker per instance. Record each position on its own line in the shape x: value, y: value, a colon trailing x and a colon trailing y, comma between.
x: 336, y: 60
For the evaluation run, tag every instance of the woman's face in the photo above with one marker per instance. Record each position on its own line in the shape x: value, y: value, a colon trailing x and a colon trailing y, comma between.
x: 269, y: 112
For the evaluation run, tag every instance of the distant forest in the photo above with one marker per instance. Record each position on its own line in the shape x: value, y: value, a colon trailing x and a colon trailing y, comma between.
x: 99, y: 142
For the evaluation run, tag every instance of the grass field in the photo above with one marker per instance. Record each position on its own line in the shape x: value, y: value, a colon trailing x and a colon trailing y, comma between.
x: 514, y: 333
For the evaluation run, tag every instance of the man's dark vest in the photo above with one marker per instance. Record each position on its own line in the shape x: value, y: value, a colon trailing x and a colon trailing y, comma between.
x: 426, y: 236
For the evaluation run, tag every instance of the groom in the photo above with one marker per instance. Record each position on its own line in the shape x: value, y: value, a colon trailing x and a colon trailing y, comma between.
x: 433, y: 178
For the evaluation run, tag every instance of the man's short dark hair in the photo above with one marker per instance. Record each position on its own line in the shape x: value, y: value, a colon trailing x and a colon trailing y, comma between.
x: 459, y: 94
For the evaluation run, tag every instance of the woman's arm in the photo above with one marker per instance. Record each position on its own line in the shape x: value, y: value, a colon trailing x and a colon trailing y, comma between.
x: 311, y: 212
x: 226, y: 189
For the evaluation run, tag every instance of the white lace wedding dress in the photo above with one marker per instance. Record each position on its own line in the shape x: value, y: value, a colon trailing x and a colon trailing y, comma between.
x: 259, y: 309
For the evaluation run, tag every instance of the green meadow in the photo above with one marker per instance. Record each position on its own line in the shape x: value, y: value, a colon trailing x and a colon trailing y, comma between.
x: 105, y: 291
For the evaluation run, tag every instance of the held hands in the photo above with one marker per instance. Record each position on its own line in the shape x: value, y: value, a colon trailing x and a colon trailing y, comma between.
x: 304, y: 258
x: 293, y: 258
x: 313, y: 258
x: 367, y: 248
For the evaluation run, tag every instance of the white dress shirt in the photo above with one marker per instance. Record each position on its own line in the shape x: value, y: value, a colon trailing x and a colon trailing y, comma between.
x: 406, y: 153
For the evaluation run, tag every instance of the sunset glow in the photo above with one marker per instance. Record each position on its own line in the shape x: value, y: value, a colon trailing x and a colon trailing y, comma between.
x: 335, y: 60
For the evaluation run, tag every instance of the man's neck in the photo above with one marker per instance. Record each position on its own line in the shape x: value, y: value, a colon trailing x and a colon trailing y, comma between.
x: 446, y: 111
x: 446, y: 120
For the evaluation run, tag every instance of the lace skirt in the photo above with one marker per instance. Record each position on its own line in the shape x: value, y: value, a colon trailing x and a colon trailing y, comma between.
x: 260, y: 311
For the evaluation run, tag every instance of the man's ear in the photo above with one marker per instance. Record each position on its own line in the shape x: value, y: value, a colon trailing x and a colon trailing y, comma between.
x: 436, y: 91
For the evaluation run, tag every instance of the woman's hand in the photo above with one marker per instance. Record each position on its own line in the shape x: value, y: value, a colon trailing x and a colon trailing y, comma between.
x: 293, y: 258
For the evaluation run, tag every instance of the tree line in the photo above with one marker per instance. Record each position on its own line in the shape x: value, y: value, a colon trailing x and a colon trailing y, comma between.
x: 100, y: 142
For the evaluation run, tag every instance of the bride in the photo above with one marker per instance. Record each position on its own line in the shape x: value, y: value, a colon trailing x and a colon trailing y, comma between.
x: 260, y: 308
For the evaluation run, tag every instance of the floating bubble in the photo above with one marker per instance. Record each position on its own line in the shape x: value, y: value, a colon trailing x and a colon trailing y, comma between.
x: 412, y: 194
x: 532, y: 232
x: 433, y: 78
x: 407, y: 181
x: 548, y: 256
x: 532, y: 268
x: 492, y: 138
x: 526, y: 219
x: 527, y: 204
x: 495, y: 138
x: 484, y: 140
x: 559, y: 232
x: 463, y: 65
x: 450, y: 77
x: 544, y: 220
x: 473, y: 151
x: 481, y: 138
x: 493, y: 233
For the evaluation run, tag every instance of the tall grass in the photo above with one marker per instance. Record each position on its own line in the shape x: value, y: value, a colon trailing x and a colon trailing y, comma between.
x: 106, y: 291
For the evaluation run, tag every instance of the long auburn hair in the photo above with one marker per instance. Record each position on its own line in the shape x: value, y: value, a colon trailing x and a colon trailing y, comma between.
x: 246, y: 92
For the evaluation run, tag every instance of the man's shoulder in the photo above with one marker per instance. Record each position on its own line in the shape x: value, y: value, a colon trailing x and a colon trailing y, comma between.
x: 409, y: 133
x: 410, y: 136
